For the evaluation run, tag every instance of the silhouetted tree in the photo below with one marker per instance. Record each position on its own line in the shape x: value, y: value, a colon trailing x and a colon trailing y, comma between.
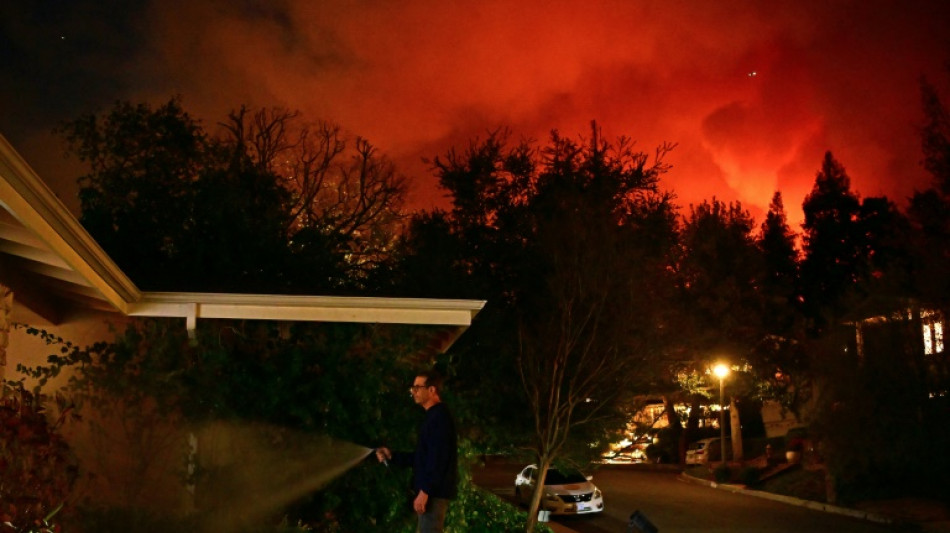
x: 929, y: 208
x: 781, y: 366
x: 832, y: 246
x: 721, y: 271
x: 929, y: 214
x: 886, y: 281
x: 870, y: 373
x: 473, y: 251
x: 720, y: 276
x: 777, y: 242
x: 935, y: 137
x: 589, y: 328
x: 345, y: 197
x: 858, y: 259
x: 269, y: 205
x: 570, y: 244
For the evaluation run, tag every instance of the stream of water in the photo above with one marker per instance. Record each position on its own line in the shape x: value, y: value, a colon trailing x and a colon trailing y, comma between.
x: 249, y: 472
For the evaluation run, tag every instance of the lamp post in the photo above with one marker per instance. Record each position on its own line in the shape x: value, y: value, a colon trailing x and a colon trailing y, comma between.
x: 721, y: 371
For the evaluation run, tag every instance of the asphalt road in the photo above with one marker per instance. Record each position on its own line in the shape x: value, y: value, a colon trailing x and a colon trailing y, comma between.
x: 676, y: 506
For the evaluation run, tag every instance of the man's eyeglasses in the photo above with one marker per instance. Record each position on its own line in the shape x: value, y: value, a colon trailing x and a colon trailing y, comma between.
x: 417, y: 387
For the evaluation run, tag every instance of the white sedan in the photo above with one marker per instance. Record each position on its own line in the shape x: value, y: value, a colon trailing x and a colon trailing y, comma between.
x: 565, y: 492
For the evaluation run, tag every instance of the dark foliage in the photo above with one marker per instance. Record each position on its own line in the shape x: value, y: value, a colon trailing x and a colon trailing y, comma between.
x: 271, y: 205
x: 37, y: 467
x: 879, y: 430
x: 347, y: 382
x: 176, y: 209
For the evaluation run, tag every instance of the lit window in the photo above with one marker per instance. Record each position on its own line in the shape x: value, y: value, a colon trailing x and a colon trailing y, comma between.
x: 928, y: 341
x: 933, y: 333
x: 938, y: 336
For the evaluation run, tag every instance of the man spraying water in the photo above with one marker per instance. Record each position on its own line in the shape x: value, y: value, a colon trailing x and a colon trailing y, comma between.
x: 435, y: 460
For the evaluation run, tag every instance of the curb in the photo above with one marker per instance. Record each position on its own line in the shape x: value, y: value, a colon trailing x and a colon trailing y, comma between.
x: 559, y: 528
x: 646, y: 467
x: 818, y: 506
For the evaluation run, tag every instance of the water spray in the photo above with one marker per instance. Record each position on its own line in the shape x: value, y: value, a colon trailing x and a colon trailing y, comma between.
x: 251, y: 471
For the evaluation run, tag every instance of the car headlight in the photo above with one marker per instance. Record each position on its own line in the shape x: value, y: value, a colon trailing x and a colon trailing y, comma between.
x: 552, y: 498
x: 597, y: 494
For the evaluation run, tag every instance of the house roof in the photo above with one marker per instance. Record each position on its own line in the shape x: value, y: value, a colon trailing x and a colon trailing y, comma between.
x: 53, y: 265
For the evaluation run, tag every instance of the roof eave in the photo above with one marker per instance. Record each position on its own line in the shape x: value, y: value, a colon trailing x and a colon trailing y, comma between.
x: 308, y: 308
x: 34, y: 204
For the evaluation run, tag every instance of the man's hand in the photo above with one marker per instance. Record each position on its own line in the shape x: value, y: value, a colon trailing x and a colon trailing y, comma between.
x: 383, y: 454
x: 420, y: 502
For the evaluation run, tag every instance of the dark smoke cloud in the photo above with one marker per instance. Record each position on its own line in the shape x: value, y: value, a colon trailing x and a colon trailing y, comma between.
x: 753, y: 92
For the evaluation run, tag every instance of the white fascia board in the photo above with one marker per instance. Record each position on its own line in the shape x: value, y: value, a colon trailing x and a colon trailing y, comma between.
x: 420, y: 311
x: 24, y: 195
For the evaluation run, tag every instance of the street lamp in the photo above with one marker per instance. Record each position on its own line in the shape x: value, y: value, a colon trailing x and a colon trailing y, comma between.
x: 721, y: 371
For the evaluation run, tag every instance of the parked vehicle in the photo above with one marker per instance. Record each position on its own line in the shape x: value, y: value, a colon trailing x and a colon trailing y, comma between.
x: 565, y: 491
x: 705, y: 450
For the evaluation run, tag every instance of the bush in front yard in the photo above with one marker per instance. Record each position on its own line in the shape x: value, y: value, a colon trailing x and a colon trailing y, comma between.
x: 346, y: 382
x: 37, y: 468
x: 479, y: 510
x: 722, y: 474
x: 749, y: 475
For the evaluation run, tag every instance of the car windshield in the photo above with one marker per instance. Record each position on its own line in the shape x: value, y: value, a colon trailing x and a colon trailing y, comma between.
x: 559, y: 477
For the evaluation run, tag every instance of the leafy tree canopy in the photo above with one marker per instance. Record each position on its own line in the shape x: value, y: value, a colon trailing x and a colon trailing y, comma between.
x: 267, y: 204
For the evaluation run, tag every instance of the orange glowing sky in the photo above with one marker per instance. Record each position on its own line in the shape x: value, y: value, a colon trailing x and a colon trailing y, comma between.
x: 753, y: 92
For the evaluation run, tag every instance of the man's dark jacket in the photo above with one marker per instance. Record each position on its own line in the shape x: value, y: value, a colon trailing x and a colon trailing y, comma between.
x: 435, y: 461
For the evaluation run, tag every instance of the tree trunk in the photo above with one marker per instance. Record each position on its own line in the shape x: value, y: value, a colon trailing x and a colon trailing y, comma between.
x: 536, y: 496
x: 676, y: 426
x: 692, y: 425
x: 736, y: 430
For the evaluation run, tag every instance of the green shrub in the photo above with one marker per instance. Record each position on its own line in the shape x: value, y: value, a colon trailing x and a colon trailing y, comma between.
x: 749, y: 475
x: 479, y: 510
x: 722, y: 474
